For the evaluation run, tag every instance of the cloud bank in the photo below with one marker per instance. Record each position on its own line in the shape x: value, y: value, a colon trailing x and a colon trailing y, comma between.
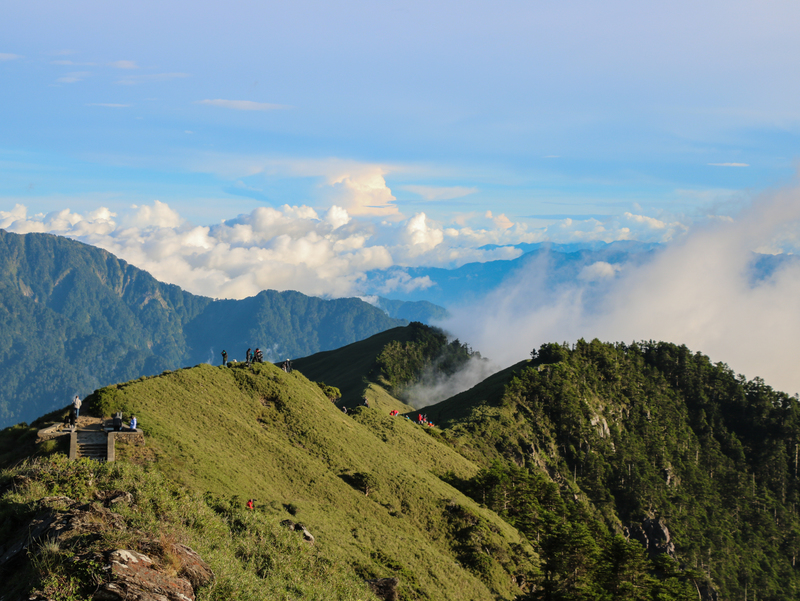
x: 698, y: 291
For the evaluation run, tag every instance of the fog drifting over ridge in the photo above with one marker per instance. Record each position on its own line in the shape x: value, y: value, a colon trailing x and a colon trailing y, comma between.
x: 697, y: 291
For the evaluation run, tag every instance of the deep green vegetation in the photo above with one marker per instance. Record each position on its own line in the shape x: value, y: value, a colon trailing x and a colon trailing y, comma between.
x: 74, y: 318
x: 630, y: 439
x: 402, y: 363
x: 590, y: 472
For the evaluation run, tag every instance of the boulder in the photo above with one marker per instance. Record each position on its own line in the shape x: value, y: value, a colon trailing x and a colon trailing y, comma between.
x: 135, y: 578
x: 307, y: 536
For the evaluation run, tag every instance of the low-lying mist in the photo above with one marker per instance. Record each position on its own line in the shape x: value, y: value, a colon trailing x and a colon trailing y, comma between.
x: 435, y: 386
x: 698, y: 291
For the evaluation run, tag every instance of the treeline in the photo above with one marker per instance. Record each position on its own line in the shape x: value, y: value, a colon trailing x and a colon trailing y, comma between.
x: 402, y: 363
x: 603, y: 445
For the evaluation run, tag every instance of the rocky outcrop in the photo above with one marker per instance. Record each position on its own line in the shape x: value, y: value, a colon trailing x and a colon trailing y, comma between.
x: 654, y: 536
x: 165, y: 571
x: 307, y: 536
x: 135, y: 577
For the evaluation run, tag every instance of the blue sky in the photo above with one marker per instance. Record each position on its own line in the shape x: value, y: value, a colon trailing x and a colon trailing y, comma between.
x: 533, y: 110
x: 233, y: 147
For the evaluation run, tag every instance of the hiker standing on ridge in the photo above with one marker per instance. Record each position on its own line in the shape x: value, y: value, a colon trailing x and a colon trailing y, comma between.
x: 76, y: 403
x: 224, y: 358
x: 247, y: 356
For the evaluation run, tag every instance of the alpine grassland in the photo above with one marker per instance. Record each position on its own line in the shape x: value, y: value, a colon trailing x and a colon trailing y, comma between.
x: 592, y: 471
x: 257, y: 432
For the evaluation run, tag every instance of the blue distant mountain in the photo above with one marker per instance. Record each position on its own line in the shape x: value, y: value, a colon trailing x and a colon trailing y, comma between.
x: 556, y: 263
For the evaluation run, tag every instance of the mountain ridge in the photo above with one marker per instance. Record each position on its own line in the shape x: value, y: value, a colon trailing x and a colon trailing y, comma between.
x: 74, y: 317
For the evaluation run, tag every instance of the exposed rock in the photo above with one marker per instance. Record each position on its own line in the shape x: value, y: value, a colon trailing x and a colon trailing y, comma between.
x: 132, y: 576
x: 112, y: 497
x: 307, y: 536
x: 654, y: 536
x: 384, y: 588
x: 135, y: 578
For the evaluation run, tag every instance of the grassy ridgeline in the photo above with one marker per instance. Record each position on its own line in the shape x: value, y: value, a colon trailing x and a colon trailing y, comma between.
x: 261, y: 433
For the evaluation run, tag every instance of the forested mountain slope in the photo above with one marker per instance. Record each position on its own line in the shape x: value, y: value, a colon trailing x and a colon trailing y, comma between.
x: 649, y: 441
x: 653, y: 442
x: 74, y: 318
x: 590, y: 472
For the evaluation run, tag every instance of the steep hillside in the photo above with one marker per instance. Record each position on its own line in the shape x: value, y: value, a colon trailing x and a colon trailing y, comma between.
x: 368, y: 486
x: 392, y: 360
x: 590, y: 472
x: 649, y: 441
x: 661, y: 445
x: 74, y: 318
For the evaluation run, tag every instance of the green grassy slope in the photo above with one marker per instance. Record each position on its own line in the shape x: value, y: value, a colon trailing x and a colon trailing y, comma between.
x: 349, y: 367
x: 273, y: 436
x: 74, y: 318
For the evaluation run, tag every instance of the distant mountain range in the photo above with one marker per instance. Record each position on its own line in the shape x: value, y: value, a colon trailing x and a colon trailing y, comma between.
x: 74, y: 317
x: 553, y: 265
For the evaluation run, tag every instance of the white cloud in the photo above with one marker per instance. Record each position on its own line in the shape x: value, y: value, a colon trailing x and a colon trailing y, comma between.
x: 363, y: 191
x: 697, y: 291
x: 503, y: 222
x: 158, y: 215
x: 656, y: 224
x: 337, y: 217
x: 5, y: 56
x: 243, y: 105
x: 401, y: 280
x: 421, y: 236
x: 598, y: 271
x: 7, y: 218
x: 440, y: 192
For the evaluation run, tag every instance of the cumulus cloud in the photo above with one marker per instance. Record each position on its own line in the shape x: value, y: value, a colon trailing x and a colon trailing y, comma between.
x: 421, y: 235
x: 363, y: 191
x: 698, y: 291
x: 159, y: 215
x: 243, y: 105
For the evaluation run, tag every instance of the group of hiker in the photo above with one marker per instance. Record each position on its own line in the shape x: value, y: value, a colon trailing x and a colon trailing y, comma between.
x: 249, y: 356
x: 74, y: 411
x: 422, y: 420
x: 257, y: 357
x: 117, y: 422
